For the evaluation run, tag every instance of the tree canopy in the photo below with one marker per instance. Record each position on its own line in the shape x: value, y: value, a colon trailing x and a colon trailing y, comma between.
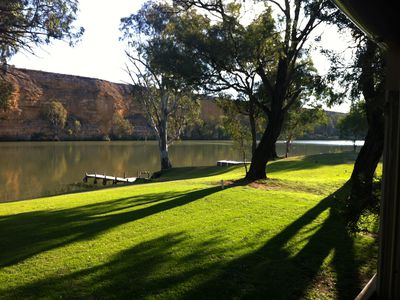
x: 164, y: 94
x: 27, y: 23
x: 267, y: 60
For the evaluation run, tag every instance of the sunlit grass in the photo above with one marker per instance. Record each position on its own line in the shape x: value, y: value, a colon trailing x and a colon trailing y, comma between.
x: 277, y: 239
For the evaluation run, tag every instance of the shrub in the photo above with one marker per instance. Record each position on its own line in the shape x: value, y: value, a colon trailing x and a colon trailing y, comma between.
x: 121, y: 127
x: 56, y: 115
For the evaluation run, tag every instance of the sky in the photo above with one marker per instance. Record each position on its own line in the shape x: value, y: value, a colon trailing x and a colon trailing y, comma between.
x: 101, y: 55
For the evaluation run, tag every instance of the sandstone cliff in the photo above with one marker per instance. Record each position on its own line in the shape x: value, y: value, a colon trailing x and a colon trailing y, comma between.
x: 91, y: 101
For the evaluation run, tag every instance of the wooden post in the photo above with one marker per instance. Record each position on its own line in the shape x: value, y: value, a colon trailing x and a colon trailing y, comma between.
x: 388, y: 283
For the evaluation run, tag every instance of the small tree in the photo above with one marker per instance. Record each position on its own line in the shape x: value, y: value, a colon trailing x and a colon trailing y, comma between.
x: 354, y: 125
x: 237, y: 128
x: 6, y: 90
x: 56, y: 115
x: 121, y: 126
x: 77, y: 126
x: 300, y: 121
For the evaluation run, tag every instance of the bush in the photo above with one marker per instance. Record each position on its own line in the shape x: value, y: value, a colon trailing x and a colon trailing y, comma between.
x: 6, y: 90
x: 120, y: 126
x: 56, y: 115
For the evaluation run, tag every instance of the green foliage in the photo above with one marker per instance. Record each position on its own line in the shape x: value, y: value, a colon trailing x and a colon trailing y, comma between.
x: 165, y: 96
x: 121, y: 127
x: 354, y: 125
x: 184, y: 116
x: 265, y: 62
x: 28, y: 23
x: 56, y: 115
x: 239, y: 132
x: 300, y: 121
x: 188, y: 238
x: 237, y: 125
x: 6, y: 90
x: 207, y: 130
x: 77, y: 126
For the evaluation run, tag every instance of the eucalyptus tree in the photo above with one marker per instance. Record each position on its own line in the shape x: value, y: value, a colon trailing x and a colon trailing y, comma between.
x: 166, y: 98
x: 280, y: 68
x: 28, y: 23
x: 363, y: 78
x: 223, y: 56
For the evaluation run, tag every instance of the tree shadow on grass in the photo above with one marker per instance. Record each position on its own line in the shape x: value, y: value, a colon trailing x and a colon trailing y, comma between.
x: 185, y: 173
x: 312, y: 162
x: 273, y: 272
x: 146, y: 270
x: 152, y: 269
x: 27, y: 234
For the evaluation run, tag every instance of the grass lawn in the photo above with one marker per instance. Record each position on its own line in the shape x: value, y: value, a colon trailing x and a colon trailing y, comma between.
x: 185, y: 237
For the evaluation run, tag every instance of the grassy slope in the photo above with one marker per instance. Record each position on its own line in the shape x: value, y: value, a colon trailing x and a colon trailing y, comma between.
x: 188, y: 238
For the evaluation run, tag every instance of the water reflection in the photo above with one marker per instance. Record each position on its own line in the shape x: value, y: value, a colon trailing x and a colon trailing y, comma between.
x: 34, y: 169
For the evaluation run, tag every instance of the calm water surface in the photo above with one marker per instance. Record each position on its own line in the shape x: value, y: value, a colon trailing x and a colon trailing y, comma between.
x: 34, y: 169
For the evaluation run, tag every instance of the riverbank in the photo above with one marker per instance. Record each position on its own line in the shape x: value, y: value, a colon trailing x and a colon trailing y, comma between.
x: 185, y: 236
x: 38, y: 169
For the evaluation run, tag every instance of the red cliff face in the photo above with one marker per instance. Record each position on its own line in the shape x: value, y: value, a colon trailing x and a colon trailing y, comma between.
x: 91, y: 101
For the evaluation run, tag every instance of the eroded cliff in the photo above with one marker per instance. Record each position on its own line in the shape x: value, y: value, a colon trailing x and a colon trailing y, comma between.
x: 92, y: 102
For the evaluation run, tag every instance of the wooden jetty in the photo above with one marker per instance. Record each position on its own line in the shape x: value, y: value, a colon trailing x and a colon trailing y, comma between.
x: 105, y: 178
x: 225, y: 163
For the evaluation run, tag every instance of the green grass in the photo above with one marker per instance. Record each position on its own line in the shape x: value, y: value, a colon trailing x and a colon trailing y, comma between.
x: 185, y: 237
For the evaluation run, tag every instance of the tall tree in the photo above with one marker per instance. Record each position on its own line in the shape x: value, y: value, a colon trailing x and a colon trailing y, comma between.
x: 364, y: 77
x: 165, y: 97
x: 280, y: 72
x: 226, y: 55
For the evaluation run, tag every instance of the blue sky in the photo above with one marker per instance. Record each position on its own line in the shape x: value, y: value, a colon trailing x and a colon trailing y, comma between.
x: 101, y: 55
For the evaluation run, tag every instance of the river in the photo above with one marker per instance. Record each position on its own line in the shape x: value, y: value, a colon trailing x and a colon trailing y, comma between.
x: 35, y: 169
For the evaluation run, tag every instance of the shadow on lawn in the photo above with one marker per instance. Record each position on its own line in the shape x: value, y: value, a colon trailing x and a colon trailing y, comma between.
x: 35, y: 232
x: 312, y: 162
x: 272, y: 272
x: 185, y: 173
x: 152, y: 267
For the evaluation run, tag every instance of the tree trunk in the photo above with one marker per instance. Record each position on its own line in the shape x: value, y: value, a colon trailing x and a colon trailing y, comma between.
x: 163, y: 145
x: 288, y: 141
x: 253, y: 129
x: 361, y: 195
x: 163, y: 134
x: 266, y: 148
x: 274, y: 154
